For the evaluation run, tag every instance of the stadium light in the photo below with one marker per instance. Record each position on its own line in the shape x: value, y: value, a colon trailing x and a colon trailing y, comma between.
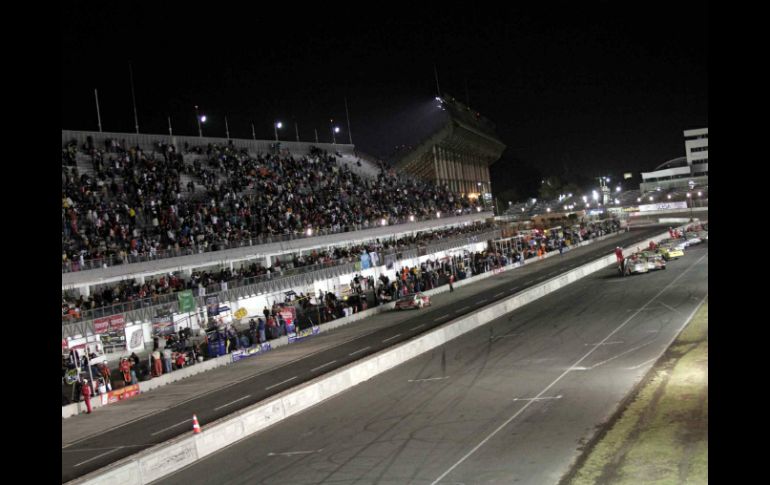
x: 585, y: 198
x: 700, y: 193
x: 669, y: 196
x: 617, y: 189
x: 278, y: 125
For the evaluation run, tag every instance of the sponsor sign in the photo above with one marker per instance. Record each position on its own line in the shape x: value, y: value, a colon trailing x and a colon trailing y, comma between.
x: 240, y: 313
x: 163, y: 325
x: 112, y: 323
x: 120, y: 394
x: 134, y: 338
x: 302, y: 334
x: 663, y: 206
x: 212, y: 305
x: 251, y: 351
x: 186, y: 301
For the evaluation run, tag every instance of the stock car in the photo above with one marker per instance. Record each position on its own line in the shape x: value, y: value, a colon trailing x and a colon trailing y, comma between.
x: 693, y: 238
x: 655, y: 261
x: 670, y: 252
x: 415, y: 300
x: 636, y: 264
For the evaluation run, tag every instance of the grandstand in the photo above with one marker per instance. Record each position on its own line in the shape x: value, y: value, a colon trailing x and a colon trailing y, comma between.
x: 133, y: 205
x: 458, y: 154
x: 147, y: 216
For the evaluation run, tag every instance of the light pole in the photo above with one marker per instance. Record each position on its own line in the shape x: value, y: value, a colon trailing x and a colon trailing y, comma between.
x: 689, y: 202
x: 276, y: 126
x: 201, y: 119
x: 227, y: 129
x: 334, y: 129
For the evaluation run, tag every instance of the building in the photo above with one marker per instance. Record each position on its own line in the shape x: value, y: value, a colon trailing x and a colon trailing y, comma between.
x: 682, y: 172
x: 459, y: 154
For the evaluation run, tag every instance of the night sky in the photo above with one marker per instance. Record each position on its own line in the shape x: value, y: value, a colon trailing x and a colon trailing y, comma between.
x: 575, y: 91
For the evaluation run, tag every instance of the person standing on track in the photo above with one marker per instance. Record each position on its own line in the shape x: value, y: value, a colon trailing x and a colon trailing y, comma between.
x: 620, y: 259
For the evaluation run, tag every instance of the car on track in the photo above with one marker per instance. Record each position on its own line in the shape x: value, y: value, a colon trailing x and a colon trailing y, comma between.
x: 703, y: 235
x: 415, y: 300
x: 670, y: 252
x: 635, y: 264
x: 693, y: 238
x: 674, y: 243
x: 655, y: 261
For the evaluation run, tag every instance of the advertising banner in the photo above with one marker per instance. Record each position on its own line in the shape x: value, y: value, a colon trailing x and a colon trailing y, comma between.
x: 162, y: 325
x: 212, y: 305
x: 186, y: 301
x: 251, y: 351
x: 662, y: 206
x: 120, y: 394
x: 302, y: 334
x: 113, y: 323
x: 134, y: 338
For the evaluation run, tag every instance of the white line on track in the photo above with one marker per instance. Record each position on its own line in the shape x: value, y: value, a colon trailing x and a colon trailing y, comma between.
x: 429, y: 379
x: 291, y: 453
x: 561, y: 376
x: 97, y: 456
x: 439, y: 318
x: 670, y: 308
x: 418, y: 326
x: 322, y: 366
x: 391, y: 338
x: 461, y: 309
x: 282, y: 382
x: 172, y: 426
x: 643, y: 363
x: 609, y: 343
x: 359, y: 351
x: 537, y: 398
x: 233, y: 402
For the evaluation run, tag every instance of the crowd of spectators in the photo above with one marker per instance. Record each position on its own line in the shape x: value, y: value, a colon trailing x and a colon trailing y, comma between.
x: 135, y: 203
x: 204, y: 282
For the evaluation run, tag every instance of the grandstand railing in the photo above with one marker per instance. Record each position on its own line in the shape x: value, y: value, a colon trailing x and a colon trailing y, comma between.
x: 148, y: 307
x: 254, y: 239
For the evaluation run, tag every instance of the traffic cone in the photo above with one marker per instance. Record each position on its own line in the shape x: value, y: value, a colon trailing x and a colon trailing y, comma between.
x: 196, y: 426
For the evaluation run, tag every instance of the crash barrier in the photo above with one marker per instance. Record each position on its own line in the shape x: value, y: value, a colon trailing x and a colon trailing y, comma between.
x: 144, y: 386
x: 170, y: 456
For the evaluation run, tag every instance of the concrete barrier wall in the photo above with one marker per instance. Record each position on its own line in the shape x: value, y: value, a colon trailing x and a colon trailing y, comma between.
x: 145, y: 386
x: 168, y: 457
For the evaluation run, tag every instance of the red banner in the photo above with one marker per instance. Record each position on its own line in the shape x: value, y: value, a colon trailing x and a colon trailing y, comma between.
x: 125, y: 393
x: 112, y: 323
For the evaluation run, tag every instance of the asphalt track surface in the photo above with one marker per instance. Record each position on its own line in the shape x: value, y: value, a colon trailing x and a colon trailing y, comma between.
x: 110, y: 445
x: 511, y: 407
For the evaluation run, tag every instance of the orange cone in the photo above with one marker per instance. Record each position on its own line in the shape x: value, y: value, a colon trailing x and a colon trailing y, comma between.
x: 196, y: 426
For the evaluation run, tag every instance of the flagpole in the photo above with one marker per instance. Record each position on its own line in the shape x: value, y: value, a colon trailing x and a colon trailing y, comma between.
x: 98, y: 115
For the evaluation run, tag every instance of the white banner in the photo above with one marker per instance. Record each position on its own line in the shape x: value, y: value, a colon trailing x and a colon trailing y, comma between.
x: 662, y: 206
x: 134, y: 338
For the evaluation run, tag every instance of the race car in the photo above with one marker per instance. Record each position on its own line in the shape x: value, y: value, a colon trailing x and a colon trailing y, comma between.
x: 703, y: 235
x: 655, y: 261
x: 674, y: 243
x: 415, y: 300
x: 670, y: 252
x: 635, y: 264
x: 692, y: 238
